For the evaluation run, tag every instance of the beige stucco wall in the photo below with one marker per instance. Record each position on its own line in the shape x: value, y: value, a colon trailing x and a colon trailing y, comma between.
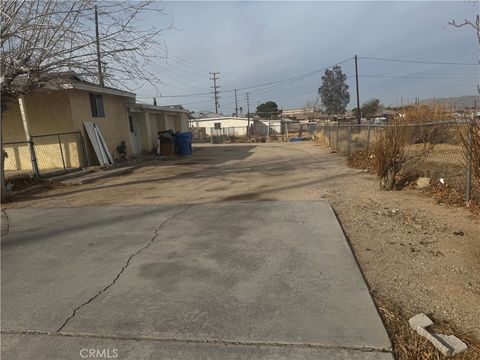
x: 114, y: 126
x: 48, y: 112
x: 151, y: 122
x: 52, y: 112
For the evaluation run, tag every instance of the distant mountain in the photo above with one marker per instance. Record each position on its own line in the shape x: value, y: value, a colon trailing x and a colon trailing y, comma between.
x: 458, y: 102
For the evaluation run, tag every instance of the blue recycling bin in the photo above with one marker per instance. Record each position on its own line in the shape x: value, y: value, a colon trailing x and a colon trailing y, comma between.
x: 183, y: 141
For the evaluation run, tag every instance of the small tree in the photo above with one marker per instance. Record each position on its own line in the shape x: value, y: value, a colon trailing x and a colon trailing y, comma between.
x: 268, y: 110
x: 334, y: 91
x: 355, y: 112
x: 371, y: 107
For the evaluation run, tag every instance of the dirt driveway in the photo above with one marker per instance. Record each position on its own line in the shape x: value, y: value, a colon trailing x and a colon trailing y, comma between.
x: 405, y: 242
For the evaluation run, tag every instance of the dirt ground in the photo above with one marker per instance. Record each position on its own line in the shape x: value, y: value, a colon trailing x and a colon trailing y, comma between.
x: 418, y: 254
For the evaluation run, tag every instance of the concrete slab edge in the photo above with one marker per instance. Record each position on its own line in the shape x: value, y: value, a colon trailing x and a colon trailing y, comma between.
x: 191, y: 340
x: 352, y: 250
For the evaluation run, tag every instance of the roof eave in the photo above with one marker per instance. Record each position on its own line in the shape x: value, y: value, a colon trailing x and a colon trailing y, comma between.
x: 97, y: 89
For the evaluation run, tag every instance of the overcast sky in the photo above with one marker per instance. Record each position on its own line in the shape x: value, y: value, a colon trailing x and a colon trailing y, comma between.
x: 254, y: 43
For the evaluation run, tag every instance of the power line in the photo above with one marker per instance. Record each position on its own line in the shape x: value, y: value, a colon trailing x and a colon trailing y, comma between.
x: 416, y: 77
x: 183, y: 61
x: 178, y: 65
x: 185, y: 85
x: 294, y: 78
x: 266, y: 87
x: 188, y: 78
x: 419, y: 62
x: 272, y: 83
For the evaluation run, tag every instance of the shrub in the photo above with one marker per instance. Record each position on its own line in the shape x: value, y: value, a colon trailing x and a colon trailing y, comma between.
x: 388, y: 153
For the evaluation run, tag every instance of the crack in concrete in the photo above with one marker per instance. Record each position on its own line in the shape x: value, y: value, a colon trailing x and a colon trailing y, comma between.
x: 138, y: 251
x: 196, y: 340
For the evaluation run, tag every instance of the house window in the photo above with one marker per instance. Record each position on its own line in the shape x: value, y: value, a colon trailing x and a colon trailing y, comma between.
x: 217, y: 125
x: 96, y: 105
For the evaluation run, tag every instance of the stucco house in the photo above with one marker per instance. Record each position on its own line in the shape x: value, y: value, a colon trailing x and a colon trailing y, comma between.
x: 56, y: 111
x: 236, y: 126
x: 145, y: 121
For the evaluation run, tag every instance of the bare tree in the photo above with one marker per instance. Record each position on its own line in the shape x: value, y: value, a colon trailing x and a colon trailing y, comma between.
x: 474, y: 24
x: 471, y: 140
x: 44, y: 37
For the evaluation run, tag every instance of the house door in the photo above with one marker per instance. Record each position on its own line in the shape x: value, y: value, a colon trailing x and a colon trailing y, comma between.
x: 134, y: 133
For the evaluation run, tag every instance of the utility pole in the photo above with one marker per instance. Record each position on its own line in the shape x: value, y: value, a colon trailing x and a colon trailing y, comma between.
x: 248, y: 115
x: 97, y: 40
x: 215, y: 89
x: 359, y: 112
x: 236, y: 104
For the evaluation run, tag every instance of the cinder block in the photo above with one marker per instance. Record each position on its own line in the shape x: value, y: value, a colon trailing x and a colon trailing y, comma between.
x: 448, y: 345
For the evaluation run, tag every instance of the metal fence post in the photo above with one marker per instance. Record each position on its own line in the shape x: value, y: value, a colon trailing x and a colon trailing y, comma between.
x: 368, y: 136
x: 86, y: 160
x: 211, y: 135
x: 61, y: 152
x: 336, y: 140
x: 33, y: 158
x: 349, y: 138
x: 468, y: 180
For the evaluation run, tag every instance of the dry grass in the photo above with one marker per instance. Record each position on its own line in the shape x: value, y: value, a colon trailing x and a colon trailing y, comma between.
x: 408, y: 345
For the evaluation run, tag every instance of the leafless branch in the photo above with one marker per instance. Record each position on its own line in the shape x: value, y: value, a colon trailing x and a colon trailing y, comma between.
x: 474, y: 24
x: 40, y: 37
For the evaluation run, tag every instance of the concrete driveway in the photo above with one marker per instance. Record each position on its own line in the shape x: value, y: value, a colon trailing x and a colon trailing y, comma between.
x: 238, y: 280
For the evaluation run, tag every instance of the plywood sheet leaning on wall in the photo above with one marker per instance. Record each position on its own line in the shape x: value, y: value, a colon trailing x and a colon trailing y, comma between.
x: 98, y: 143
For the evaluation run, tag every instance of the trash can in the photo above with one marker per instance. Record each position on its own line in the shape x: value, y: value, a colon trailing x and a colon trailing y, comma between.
x: 166, y: 143
x: 183, y: 141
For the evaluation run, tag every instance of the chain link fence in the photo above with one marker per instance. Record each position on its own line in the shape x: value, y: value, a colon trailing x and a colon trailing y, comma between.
x: 52, y: 153
x: 438, y: 150
x: 228, y: 134
x: 300, y: 130
x: 259, y: 131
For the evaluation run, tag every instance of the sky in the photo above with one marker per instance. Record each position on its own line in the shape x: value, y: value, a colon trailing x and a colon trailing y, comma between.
x: 256, y: 43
